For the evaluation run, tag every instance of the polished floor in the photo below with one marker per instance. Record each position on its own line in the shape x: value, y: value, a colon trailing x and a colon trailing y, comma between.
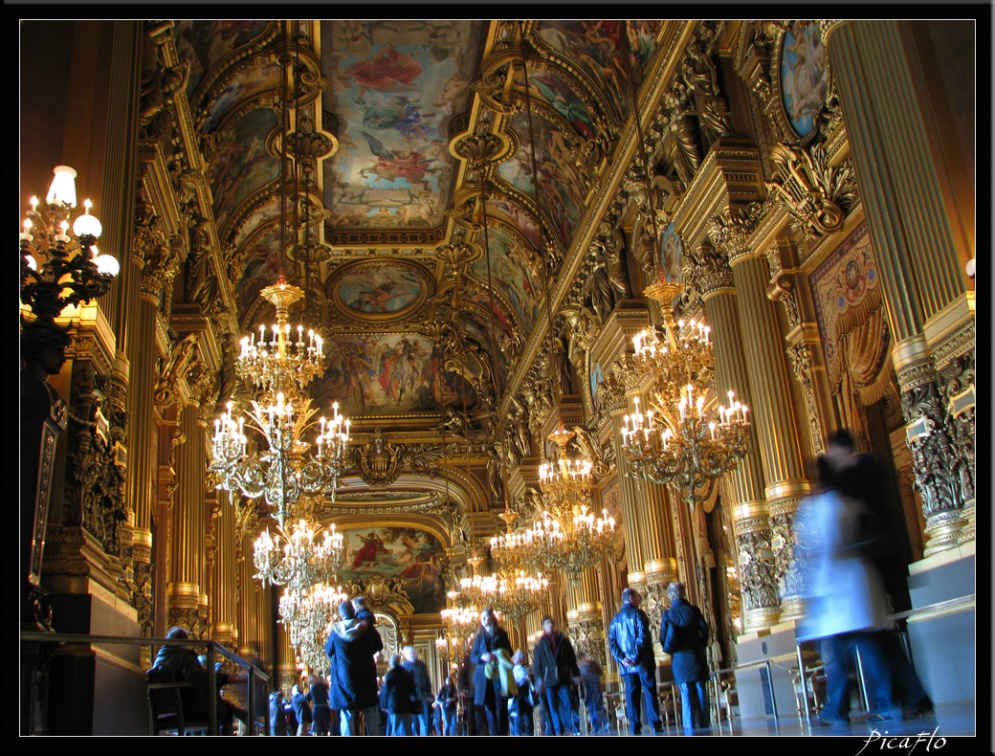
x: 953, y: 721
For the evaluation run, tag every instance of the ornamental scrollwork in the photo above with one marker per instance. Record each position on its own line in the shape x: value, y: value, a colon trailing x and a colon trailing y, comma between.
x: 96, y: 461
x: 933, y: 455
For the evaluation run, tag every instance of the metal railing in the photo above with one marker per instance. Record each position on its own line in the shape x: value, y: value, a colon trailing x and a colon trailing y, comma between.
x: 213, y: 651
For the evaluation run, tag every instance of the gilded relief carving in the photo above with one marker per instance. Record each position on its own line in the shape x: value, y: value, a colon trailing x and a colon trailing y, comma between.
x: 379, y: 463
x: 816, y: 194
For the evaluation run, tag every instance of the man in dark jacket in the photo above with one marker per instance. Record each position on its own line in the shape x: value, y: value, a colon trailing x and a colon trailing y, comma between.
x: 185, y: 666
x: 351, y: 648
x: 554, y: 666
x: 683, y: 635
x: 277, y: 714
x: 631, y: 646
x: 399, y: 699
x: 489, y: 701
x: 423, y: 690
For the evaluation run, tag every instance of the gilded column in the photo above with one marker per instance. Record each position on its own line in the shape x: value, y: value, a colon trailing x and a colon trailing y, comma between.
x: 587, y: 628
x: 224, y: 584
x: 188, y: 519
x: 774, y: 418
x: 745, y: 484
x: 920, y: 214
x: 632, y: 510
x: 660, y: 540
x: 158, y: 267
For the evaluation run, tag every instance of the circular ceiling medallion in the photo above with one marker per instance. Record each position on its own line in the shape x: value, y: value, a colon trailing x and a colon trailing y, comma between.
x: 380, y: 289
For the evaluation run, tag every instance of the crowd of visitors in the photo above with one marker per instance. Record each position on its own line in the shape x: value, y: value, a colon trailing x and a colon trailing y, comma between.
x: 856, y: 581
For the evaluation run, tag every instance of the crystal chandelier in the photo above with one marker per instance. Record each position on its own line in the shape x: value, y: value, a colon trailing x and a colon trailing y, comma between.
x: 574, y: 541
x: 514, y: 550
x: 460, y: 622
x: 568, y: 536
x: 302, y: 560
x: 288, y: 468
x: 307, y: 613
x: 687, y: 440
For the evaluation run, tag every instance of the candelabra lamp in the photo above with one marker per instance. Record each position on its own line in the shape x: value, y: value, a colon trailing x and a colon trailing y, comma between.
x: 284, y: 467
x: 686, y: 439
x: 308, y: 614
x: 58, y: 269
x: 299, y: 559
x: 568, y: 536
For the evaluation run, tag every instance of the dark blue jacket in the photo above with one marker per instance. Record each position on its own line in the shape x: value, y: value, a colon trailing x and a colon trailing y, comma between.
x: 683, y: 635
x: 353, y: 668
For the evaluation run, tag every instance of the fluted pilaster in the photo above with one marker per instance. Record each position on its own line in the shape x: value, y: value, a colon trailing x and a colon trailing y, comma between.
x: 630, y: 496
x: 923, y: 236
x: 188, y: 521
x: 745, y: 484
x: 919, y: 235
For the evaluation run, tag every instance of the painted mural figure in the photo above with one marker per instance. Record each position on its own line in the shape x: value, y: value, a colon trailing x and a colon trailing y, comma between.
x: 372, y: 545
x: 392, y: 165
x: 387, y: 71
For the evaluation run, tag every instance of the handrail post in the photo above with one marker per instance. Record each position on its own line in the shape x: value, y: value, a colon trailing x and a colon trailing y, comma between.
x: 212, y: 687
x: 804, y: 681
x: 770, y: 687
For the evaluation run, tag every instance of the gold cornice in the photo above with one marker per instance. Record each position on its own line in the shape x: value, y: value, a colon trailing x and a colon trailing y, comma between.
x: 951, y: 320
x: 731, y: 174
x: 909, y: 352
x: 749, y: 509
x: 788, y: 489
x: 661, y: 566
x: 615, y: 337
x: 189, y: 591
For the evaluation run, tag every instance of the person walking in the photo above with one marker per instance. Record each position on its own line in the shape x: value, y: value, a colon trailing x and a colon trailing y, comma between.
x: 554, y: 667
x: 683, y: 635
x: 489, y: 700
x: 446, y: 701
x: 302, y: 710
x: 398, y: 698
x: 423, y: 690
x: 631, y: 646
x: 846, y: 604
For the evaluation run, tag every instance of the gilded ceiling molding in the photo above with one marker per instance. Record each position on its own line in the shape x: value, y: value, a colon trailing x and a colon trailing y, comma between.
x: 608, y: 182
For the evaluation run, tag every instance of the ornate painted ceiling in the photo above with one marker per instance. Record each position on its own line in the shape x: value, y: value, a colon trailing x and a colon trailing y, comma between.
x: 391, y: 128
x: 442, y: 191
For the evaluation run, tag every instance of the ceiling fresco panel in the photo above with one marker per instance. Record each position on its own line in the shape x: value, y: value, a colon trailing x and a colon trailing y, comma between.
x: 240, y: 164
x: 412, y: 557
x: 594, y: 46
x: 389, y: 374
x: 561, y: 187
x: 509, y: 272
x: 396, y: 87
x: 202, y: 45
